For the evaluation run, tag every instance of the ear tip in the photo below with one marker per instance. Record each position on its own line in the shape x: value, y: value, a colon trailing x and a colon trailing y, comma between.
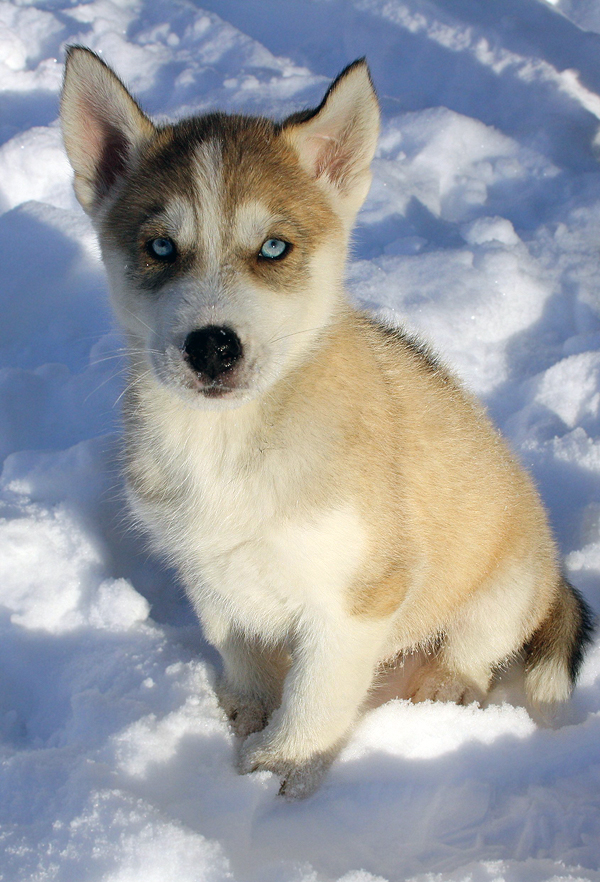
x: 358, y: 64
x: 360, y: 68
x: 79, y: 55
x: 74, y: 50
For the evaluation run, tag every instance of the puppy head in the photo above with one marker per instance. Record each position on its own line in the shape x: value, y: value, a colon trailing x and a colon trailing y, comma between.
x: 224, y: 237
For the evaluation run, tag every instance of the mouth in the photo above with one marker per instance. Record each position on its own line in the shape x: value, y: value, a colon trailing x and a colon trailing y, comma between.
x: 226, y: 390
x: 216, y: 390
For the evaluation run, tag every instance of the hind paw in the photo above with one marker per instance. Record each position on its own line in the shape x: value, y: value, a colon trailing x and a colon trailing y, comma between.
x: 434, y: 682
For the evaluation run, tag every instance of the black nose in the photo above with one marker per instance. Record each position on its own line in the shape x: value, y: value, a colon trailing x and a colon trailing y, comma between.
x: 212, y: 350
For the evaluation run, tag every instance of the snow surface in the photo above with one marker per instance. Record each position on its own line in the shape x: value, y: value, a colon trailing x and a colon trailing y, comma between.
x: 482, y: 232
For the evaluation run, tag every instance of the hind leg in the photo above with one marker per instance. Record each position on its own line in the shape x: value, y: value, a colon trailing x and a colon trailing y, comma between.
x: 439, y: 681
x: 489, y: 628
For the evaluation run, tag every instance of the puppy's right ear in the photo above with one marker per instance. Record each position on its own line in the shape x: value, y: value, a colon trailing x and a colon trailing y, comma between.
x: 102, y: 125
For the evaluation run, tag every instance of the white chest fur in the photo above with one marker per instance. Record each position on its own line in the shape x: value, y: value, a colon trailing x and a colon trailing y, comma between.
x: 237, y: 518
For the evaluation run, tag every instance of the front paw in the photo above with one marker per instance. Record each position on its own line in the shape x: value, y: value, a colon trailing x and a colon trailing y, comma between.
x: 299, y: 777
x: 246, y: 715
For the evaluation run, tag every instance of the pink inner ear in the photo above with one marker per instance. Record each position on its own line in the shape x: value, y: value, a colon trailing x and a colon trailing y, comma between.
x: 104, y: 145
x: 312, y: 150
x: 318, y: 153
x: 91, y: 134
x: 328, y: 156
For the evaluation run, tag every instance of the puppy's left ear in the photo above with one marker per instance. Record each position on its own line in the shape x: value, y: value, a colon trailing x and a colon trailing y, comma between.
x: 336, y: 142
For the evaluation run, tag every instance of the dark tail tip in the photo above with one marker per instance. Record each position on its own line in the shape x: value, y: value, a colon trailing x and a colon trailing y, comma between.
x: 584, y: 635
x: 557, y: 648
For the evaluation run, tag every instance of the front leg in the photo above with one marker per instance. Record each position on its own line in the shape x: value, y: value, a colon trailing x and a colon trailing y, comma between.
x: 332, y: 670
x: 250, y: 686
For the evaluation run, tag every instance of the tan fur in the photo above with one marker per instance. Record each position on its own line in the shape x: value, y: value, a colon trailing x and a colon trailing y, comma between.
x: 333, y: 498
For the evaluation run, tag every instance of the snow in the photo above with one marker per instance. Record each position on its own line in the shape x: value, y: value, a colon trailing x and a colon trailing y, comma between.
x: 481, y: 233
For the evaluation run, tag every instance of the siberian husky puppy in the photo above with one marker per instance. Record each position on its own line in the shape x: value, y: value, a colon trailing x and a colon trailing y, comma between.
x: 329, y: 494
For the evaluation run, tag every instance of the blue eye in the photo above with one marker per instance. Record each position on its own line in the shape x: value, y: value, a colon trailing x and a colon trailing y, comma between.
x: 162, y: 248
x: 274, y: 249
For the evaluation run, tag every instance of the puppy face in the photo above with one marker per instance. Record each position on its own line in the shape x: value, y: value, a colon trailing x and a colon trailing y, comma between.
x: 224, y: 237
x: 218, y: 227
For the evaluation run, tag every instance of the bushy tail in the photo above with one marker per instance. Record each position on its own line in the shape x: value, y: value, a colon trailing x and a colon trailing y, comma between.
x: 555, y: 652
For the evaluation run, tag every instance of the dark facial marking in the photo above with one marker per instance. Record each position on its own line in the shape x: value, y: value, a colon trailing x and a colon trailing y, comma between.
x: 256, y: 164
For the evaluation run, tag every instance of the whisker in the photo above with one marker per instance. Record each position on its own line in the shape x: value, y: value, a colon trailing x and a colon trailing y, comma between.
x: 137, y: 318
x: 295, y: 333
x: 122, y: 353
x: 133, y: 383
x: 106, y: 380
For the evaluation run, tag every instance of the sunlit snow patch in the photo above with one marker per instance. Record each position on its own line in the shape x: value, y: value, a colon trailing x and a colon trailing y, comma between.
x: 430, y: 729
